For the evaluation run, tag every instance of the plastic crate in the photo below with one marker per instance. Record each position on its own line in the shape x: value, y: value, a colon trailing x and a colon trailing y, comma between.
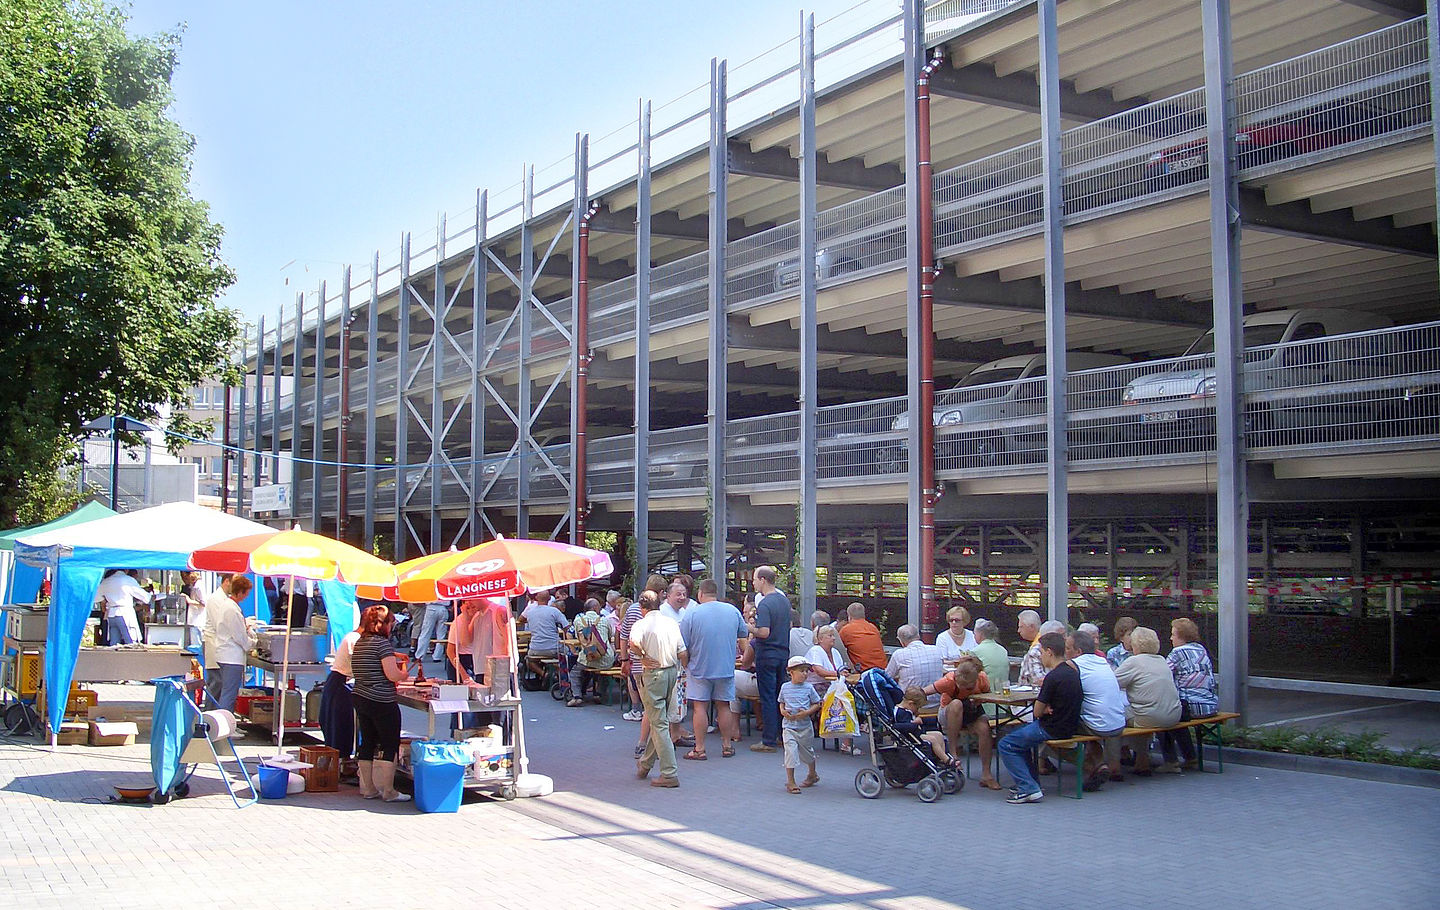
x: 323, y: 775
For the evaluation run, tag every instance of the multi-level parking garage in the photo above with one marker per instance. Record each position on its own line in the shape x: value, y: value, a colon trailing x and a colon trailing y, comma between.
x: 1016, y: 190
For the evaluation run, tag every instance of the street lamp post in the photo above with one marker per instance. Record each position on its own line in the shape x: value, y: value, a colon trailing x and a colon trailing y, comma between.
x: 114, y: 425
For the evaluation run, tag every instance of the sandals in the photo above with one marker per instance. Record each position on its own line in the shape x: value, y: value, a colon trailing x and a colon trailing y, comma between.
x: 792, y: 788
x: 991, y: 785
x: 687, y: 742
x: 727, y: 751
x: 694, y: 755
x: 810, y: 781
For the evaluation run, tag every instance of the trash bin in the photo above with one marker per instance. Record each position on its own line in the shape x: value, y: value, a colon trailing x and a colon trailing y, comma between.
x: 273, y: 782
x: 439, y: 771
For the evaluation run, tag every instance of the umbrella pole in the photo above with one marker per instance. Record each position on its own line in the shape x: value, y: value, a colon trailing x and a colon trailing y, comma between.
x: 523, y: 760
x: 284, y: 680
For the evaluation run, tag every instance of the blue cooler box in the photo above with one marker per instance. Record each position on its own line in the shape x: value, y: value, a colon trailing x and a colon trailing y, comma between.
x: 439, y: 771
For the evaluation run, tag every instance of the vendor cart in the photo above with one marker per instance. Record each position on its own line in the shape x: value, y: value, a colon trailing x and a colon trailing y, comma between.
x: 501, y: 779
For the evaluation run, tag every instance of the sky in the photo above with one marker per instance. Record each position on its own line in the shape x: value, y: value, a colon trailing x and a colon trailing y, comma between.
x: 324, y: 130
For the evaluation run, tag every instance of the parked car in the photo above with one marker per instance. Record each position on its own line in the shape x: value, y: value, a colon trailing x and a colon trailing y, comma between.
x: 1006, y: 399
x: 1282, y: 356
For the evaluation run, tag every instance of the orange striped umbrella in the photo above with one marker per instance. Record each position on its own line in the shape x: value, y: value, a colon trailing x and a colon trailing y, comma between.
x: 298, y: 554
x: 496, y: 568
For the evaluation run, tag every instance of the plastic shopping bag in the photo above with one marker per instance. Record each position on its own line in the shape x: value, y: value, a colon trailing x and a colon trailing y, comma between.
x: 677, y: 712
x: 837, y: 711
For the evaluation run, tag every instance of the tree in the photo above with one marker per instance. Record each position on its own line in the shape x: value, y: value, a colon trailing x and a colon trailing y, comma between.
x: 109, y: 269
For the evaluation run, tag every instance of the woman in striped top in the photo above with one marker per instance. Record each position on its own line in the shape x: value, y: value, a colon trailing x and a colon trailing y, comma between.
x: 376, y: 671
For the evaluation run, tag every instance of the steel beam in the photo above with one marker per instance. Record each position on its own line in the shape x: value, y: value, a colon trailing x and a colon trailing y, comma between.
x: 776, y: 164
x: 717, y: 365
x: 317, y: 432
x: 761, y: 376
x: 1432, y: 48
x: 241, y: 445
x: 478, y: 306
x: 1232, y: 506
x: 641, y: 526
x: 778, y: 336
x: 1400, y: 9
x: 807, y: 550
x: 979, y: 83
x: 1028, y: 295
x: 1057, y: 555
x: 259, y: 402
x: 671, y: 225
x: 402, y: 389
x: 1296, y: 220
x: 912, y: 25
x: 277, y: 361
x: 342, y: 442
x: 372, y: 400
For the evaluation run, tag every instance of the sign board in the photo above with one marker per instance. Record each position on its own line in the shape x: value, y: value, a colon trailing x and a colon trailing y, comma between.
x: 273, y: 497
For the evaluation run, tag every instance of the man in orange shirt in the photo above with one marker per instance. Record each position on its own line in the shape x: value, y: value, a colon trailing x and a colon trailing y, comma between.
x: 862, y: 640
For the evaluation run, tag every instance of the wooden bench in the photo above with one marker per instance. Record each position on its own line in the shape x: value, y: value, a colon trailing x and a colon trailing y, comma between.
x: 1205, y: 727
x: 618, y: 675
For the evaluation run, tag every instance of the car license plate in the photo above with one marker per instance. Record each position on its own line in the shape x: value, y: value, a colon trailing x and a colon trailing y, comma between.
x: 1186, y: 163
x: 1159, y: 416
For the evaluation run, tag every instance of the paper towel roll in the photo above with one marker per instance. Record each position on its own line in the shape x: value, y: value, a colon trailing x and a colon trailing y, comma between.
x: 221, y: 723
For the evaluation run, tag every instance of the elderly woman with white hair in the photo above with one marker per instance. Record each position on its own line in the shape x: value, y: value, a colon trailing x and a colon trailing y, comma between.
x: 1032, y: 671
x: 1149, y: 686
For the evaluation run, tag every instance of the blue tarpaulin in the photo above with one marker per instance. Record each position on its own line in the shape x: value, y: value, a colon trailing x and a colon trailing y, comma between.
x: 173, y: 725
x: 341, y: 610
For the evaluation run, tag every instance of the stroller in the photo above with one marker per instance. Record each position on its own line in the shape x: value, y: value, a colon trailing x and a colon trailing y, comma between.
x: 897, y: 758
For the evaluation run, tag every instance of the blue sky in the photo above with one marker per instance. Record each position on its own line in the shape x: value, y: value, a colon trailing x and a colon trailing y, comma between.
x: 324, y: 130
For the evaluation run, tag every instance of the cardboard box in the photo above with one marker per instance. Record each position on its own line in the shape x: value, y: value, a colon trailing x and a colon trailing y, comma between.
x: 141, y: 717
x: 113, y: 734
x: 73, y: 733
x: 262, y: 710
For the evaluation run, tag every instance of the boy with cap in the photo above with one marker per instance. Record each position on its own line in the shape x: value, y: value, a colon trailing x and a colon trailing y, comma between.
x: 798, y: 703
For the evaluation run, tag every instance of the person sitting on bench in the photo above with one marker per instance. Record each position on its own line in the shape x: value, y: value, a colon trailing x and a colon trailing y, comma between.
x: 545, y: 624
x: 1057, y: 716
x: 1195, y: 679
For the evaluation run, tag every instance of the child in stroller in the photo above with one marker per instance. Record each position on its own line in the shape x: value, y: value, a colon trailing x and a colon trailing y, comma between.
x: 907, y: 722
x: 898, y: 757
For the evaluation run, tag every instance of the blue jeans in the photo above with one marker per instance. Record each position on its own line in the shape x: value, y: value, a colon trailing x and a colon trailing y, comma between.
x: 1015, y: 751
x: 769, y: 675
x: 119, y: 631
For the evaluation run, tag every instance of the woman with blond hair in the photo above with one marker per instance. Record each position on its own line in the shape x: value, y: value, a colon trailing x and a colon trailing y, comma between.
x: 1149, y: 686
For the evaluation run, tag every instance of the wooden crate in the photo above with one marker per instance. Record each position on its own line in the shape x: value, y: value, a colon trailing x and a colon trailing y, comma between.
x: 323, y: 775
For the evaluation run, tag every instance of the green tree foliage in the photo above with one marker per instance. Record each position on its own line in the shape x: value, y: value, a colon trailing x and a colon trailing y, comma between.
x: 109, y: 269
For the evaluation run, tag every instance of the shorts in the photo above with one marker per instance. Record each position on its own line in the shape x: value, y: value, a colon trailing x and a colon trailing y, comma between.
x: 722, y: 689
x: 799, y: 746
x: 970, y: 713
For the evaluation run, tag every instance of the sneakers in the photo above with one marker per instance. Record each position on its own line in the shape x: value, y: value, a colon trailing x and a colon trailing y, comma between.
x: 634, y: 714
x: 1168, y: 768
x: 1017, y: 798
x: 711, y: 729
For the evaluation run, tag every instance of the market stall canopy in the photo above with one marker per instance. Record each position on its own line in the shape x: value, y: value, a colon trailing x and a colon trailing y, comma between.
x: 161, y: 537
x: 496, y: 568
x: 22, y: 582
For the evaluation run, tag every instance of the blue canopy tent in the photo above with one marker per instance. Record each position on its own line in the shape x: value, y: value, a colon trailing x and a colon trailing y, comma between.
x: 162, y: 537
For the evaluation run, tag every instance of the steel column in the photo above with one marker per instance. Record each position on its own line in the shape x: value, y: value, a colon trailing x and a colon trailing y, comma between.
x: 1232, y: 505
x: 225, y: 447
x: 1057, y: 541
x: 372, y: 356
x: 913, y: 28
x: 317, y: 435
x: 522, y: 408
x: 718, y: 415
x: 401, y: 542
x: 242, y: 445
x: 807, y: 550
x: 297, y: 355
x: 925, y: 413
x: 641, y: 526
x: 439, y: 304
x: 580, y: 343
x: 278, y: 363
x: 342, y: 442
x: 478, y: 305
x: 259, y: 401
x: 1432, y: 46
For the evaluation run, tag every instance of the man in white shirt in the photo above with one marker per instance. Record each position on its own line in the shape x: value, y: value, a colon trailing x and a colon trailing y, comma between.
x: 119, y: 590
x: 915, y: 663
x: 207, y: 640
x: 656, y: 641
x: 677, y: 599
x: 802, y: 639
x: 230, y: 632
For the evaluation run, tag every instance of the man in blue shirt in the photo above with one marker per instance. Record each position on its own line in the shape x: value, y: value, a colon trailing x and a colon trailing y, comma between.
x: 713, y: 631
x: 545, y: 623
x: 769, y: 627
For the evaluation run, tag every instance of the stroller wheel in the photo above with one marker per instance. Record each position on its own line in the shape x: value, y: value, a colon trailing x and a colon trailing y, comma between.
x: 928, y: 789
x: 867, y: 783
x: 951, y: 781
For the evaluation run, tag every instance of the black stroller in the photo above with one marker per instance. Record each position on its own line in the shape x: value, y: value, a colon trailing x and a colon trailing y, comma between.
x: 897, y: 758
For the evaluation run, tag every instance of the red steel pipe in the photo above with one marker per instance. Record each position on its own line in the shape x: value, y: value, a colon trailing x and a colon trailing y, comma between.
x: 582, y: 378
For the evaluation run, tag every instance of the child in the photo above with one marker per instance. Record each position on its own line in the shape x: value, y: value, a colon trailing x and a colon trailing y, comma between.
x: 798, y: 703
x: 905, y: 722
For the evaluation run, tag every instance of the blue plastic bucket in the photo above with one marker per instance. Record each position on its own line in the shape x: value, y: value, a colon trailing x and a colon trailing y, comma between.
x: 439, y: 771
x: 273, y: 782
